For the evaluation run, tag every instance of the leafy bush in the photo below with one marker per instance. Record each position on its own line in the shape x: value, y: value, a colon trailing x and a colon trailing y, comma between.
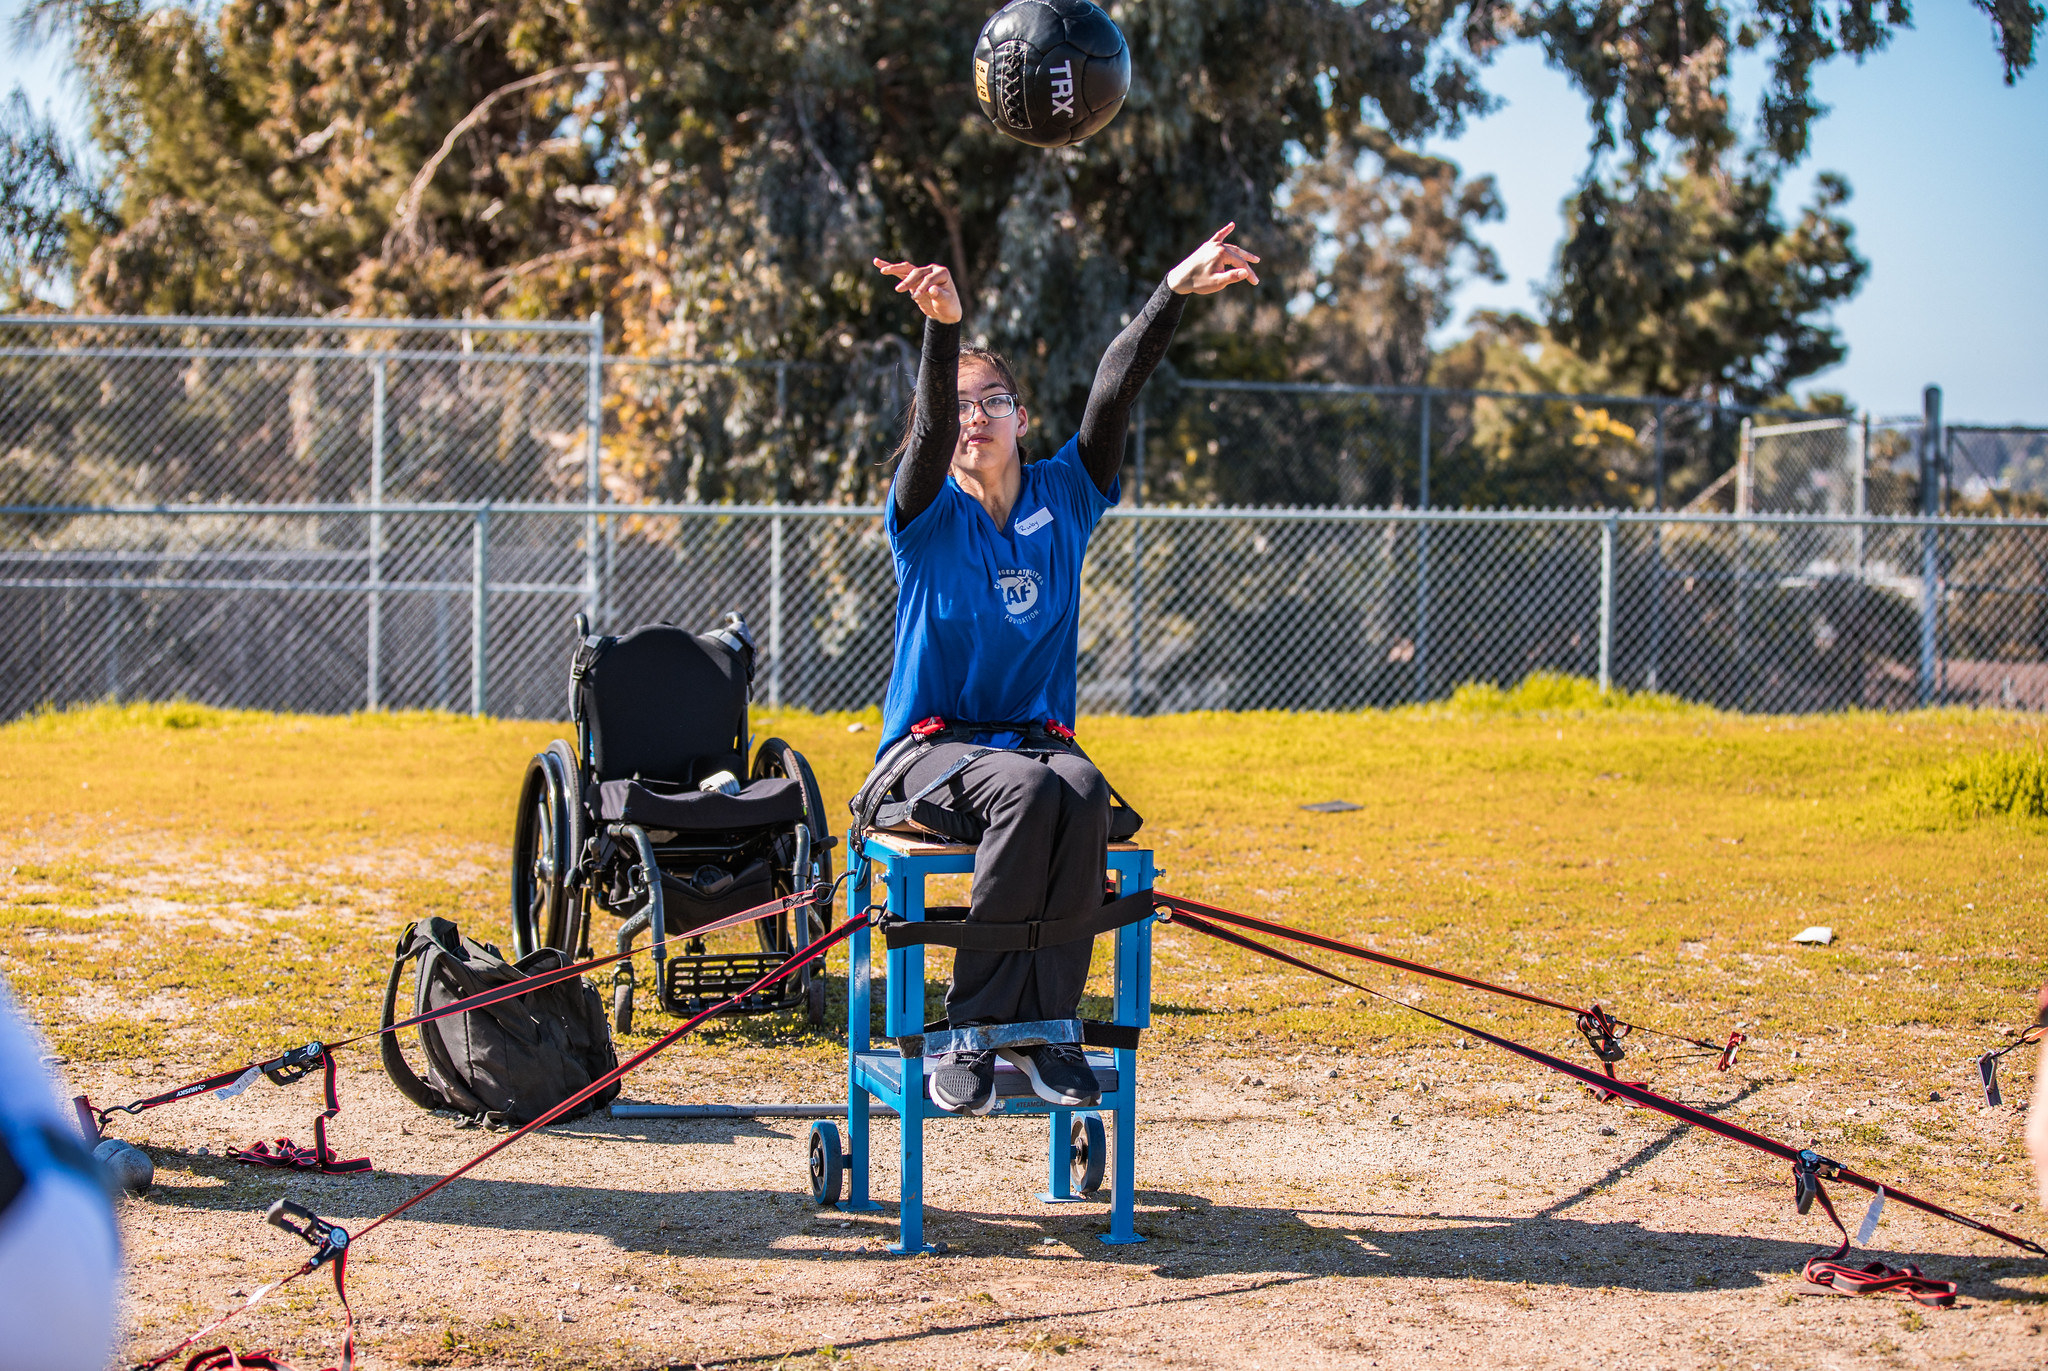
x: 1554, y: 692
x: 2010, y: 781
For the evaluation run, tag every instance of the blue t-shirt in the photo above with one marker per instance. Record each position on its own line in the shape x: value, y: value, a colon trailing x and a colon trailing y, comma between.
x: 988, y: 620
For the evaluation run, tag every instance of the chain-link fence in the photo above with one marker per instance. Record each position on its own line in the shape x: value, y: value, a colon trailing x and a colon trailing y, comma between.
x: 2003, y: 467
x: 275, y: 607
x: 327, y: 515
x: 1260, y: 443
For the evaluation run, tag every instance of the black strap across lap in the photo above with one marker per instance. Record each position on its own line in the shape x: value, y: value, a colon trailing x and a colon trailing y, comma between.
x: 874, y: 806
x: 1027, y: 936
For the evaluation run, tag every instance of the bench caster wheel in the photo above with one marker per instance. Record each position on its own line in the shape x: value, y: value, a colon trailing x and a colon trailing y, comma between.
x: 828, y: 1165
x: 1089, y: 1151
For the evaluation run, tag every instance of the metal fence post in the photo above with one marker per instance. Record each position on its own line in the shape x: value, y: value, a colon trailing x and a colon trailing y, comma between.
x: 1743, y: 496
x: 1607, y: 530
x: 1138, y: 570
x: 593, y: 453
x: 1745, y: 470
x: 775, y: 611
x: 1930, y: 566
x: 1422, y: 564
x: 373, y: 626
x: 479, y: 609
x: 1657, y: 561
x: 1859, y: 436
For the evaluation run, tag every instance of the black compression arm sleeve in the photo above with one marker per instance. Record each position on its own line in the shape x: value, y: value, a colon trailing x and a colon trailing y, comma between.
x: 935, y: 427
x: 1122, y: 374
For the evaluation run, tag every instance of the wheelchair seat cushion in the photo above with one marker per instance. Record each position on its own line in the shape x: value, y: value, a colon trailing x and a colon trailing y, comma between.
x: 651, y: 805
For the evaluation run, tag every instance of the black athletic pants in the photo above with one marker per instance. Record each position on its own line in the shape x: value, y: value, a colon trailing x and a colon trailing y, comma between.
x: 1041, y: 858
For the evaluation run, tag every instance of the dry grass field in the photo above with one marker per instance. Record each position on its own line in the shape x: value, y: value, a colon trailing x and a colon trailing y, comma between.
x: 184, y: 889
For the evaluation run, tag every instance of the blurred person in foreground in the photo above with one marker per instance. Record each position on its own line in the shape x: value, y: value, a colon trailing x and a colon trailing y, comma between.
x: 60, y: 1256
x: 2037, y: 1108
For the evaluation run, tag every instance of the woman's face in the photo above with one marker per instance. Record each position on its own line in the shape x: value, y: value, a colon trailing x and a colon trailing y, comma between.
x: 986, y: 446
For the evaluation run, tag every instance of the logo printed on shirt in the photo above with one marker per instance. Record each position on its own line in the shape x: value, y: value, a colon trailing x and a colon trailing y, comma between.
x: 1019, y: 590
x: 1032, y: 523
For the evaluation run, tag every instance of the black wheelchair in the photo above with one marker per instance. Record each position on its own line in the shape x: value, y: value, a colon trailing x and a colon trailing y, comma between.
x: 620, y: 822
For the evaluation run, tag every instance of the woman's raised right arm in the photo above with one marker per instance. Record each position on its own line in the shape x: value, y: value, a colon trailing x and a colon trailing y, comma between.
x: 935, y: 424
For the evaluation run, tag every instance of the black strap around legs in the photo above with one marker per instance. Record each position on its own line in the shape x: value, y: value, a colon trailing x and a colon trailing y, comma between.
x: 1028, y: 936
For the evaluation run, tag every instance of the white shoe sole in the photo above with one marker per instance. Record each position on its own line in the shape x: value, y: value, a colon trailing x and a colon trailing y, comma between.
x: 1022, y: 1061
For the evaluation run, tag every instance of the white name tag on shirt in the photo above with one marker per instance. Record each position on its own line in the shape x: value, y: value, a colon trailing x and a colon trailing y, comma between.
x: 1032, y: 523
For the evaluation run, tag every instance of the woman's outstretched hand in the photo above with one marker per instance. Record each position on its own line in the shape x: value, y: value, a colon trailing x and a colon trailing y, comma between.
x: 931, y: 287
x: 1212, y: 266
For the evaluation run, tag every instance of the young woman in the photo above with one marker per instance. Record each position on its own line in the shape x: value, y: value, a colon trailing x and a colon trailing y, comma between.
x: 988, y: 566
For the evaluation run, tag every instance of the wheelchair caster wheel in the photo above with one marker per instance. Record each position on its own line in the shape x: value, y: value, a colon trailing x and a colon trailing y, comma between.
x: 1089, y: 1151
x: 622, y: 1008
x: 814, y: 1002
x: 828, y: 1164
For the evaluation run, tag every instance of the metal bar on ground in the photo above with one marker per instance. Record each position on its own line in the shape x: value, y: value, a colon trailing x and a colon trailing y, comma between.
x: 739, y: 1111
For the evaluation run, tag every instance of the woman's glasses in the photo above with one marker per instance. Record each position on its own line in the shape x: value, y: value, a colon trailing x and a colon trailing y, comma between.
x: 994, y: 406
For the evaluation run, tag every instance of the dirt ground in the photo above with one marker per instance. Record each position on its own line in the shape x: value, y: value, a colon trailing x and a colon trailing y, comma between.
x: 1436, y: 1209
x: 175, y: 897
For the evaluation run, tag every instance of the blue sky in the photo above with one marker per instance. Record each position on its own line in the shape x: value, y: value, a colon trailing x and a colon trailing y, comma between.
x: 1949, y: 168
x: 1950, y: 172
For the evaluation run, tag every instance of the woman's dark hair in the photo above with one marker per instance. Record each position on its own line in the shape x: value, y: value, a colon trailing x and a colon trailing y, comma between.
x: 988, y: 357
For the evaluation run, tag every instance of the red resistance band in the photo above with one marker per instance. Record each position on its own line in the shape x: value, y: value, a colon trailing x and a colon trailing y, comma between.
x: 1602, y: 1031
x: 285, y: 1069
x: 332, y: 1243
x: 1809, y: 1168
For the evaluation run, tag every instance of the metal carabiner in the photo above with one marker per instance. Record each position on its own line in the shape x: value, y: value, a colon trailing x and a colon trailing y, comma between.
x: 295, y: 1063
x: 1598, y: 1029
x: 328, y: 1240
x: 1807, y: 1174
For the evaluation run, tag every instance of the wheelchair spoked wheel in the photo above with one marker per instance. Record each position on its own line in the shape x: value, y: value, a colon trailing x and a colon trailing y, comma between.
x: 776, y: 759
x: 543, y: 857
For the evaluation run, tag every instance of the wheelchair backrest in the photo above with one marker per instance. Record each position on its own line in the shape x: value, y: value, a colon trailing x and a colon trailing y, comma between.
x: 664, y: 704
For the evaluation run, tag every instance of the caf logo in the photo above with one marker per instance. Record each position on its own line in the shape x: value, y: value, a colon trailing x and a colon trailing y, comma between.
x: 1019, y: 590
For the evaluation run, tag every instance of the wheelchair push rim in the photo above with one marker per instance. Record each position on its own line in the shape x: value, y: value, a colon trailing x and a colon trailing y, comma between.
x: 543, y: 858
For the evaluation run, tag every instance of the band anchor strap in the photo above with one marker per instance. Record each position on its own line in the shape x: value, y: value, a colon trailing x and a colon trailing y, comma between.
x: 940, y: 1037
x: 1809, y: 1169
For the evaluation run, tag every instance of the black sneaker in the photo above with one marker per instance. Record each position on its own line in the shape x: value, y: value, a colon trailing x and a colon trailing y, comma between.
x: 1059, y: 1073
x: 965, y: 1082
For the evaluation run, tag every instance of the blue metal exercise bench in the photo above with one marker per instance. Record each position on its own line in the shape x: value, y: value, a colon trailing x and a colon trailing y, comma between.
x: 895, y: 1076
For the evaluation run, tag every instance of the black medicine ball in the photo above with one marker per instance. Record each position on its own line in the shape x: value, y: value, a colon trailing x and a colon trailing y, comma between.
x: 1051, y: 72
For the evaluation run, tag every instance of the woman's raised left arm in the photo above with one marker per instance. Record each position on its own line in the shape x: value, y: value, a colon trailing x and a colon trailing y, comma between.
x: 1130, y: 360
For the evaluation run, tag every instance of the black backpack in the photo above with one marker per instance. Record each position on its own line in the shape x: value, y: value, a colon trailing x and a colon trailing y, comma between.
x: 511, y: 1061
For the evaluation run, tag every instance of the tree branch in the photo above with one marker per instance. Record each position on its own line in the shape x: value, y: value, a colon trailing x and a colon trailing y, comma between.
x: 404, y: 231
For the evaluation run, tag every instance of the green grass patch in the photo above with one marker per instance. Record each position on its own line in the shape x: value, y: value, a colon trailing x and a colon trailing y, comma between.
x: 205, y: 885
